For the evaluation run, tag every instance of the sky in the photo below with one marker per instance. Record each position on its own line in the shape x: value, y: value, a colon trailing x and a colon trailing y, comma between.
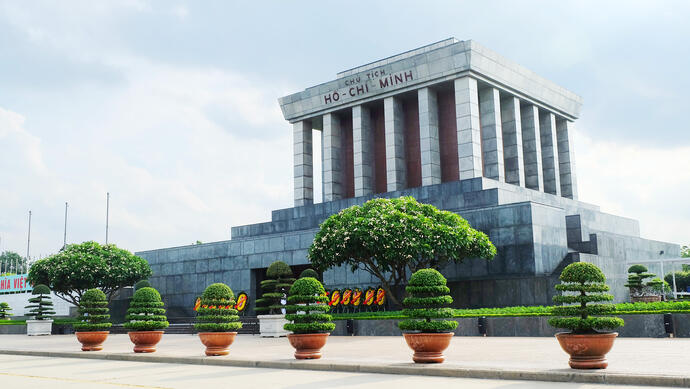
x: 171, y: 106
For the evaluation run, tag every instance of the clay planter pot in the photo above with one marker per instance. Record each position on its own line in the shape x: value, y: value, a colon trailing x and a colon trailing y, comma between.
x: 428, y: 347
x: 145, y: 341
x: 587, y: 351
x: 217, y: 343
x: 308, y: 346
x: 92, y: 340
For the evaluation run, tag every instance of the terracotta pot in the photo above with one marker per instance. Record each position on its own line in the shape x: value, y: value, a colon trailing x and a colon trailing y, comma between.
x: 92, y: 340
x: 145, y: 341
x: 428, y: 347
x: 587, y: 351
x: 308, y: 346
x: 217, y: 343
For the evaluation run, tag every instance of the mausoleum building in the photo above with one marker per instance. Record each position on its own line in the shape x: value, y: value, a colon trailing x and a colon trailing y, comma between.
x: 452, y: 124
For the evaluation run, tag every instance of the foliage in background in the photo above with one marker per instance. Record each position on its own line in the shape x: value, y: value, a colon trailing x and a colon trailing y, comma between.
x: 5, y: 311
x: 217, y: 312
x: 685, y: 252
x: 10, y: 262
x: 142, y: 284
x: 146, y: 312
x: 309, y: 273
x: 279, y: 279
x: 637, y: 274
x: 307, y: 307
x: 682, y: 280
x: 428, y: 300
x: 390, y: 237
x: 88, y: 265
x: 41, y: 306
x: 93, y: 312
x: 584, y: 283
x: 621, y: 309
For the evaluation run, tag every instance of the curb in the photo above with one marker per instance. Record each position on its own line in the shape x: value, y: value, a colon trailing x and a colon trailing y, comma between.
x: 565, y: 375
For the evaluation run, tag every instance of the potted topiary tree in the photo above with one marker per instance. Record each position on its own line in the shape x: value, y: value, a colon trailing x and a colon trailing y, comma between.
x: 428, y: 300
x: 217, y: 320
x: 278, y: 282
x: 146, y: 317
x: 142, y: 284
x: 310, y: 324
x: 637, y: 274
x: 41, y: 310
x: 586, y: 346
x: 5, y: 311
x: 92, y: 328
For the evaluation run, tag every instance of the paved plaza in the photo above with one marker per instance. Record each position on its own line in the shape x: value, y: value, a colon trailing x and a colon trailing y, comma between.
x: 633, y: 361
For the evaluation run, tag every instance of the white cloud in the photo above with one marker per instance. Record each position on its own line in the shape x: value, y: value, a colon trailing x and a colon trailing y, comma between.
x: 649, y: 184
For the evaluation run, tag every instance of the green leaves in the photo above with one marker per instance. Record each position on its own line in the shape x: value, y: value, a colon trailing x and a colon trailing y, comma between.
x: 428, y: 300
x: 388, y: 237
x: 308, y: 307
x: 217, y: 312
x: 93, y: 312
x: 582, y: 272
x: 88, y: 265
x: 274, y: 289
x: 146, y: 311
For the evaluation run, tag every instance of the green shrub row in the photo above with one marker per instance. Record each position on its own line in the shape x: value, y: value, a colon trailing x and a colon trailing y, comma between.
x: 620, y: 309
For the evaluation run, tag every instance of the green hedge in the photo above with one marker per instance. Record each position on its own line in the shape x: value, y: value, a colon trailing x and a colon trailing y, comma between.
x: 621, y: 309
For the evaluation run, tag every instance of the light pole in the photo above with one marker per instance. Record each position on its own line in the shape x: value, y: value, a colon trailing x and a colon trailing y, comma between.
x: 107, y: 215
x: 64, y: 242
x: 28, y: 240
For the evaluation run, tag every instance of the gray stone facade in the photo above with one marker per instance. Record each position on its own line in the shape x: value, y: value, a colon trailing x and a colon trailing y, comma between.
x: 514, y: 160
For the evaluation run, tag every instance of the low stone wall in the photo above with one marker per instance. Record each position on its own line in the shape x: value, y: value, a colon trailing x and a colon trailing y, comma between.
x: 636, y: 326
x: 13, y: 329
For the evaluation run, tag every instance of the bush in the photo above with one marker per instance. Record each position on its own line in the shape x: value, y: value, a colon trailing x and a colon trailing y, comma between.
x: 41, y: 307
x: 588, y: 284
x: 5, y: 311
x: 79, y: 267
x: 217, y: 312
x: 93, y: 312
x: 636, y: 276
x: 279, y: 280
x: 307, y: 307
x: 146, y: 312
x: 309, y: 273
x: 428, y: 300
x: 142, y: 284
x: 682, y: 280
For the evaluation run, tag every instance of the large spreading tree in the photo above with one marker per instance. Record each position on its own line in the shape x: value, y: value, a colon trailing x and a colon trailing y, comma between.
x: 391, y: 238
x: 80, y: 267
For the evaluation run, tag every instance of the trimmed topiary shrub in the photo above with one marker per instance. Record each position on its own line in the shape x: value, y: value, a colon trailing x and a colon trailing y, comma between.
x: 142, y: 284
x: 93, y: 312
x: 41, y: 307
x: 217, y: 312
x: 636, y: 276
x: 5, y: 311
x: 309, y: 273
x: 146, y: 312
x: 307, y: 307
x: 279, y: 279
x: 587, y: 284
x: 428, y: 300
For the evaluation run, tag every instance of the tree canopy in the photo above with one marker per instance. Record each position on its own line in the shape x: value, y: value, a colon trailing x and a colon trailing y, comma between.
x: 80, y: 267
x: 11, y: 261
x: 390, y: 238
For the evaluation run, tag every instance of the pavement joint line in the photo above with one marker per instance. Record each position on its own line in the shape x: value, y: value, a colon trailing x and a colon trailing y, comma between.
x: 589, y: 377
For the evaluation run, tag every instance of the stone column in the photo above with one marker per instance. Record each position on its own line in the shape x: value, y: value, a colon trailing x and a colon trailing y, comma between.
x: 363, y: 150
x: 549, y: 154
x: 428, y: 137
x: 492, y: 134
x: 531, y: 147
x: 512, y: 141
x: 469, y: 133
x: 396, y: 174
x: 332, y: 160
x: 566, y: 158
x: 303, y: 163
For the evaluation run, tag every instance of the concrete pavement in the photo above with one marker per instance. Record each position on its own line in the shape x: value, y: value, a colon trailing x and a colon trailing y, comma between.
x: 638, y: 361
